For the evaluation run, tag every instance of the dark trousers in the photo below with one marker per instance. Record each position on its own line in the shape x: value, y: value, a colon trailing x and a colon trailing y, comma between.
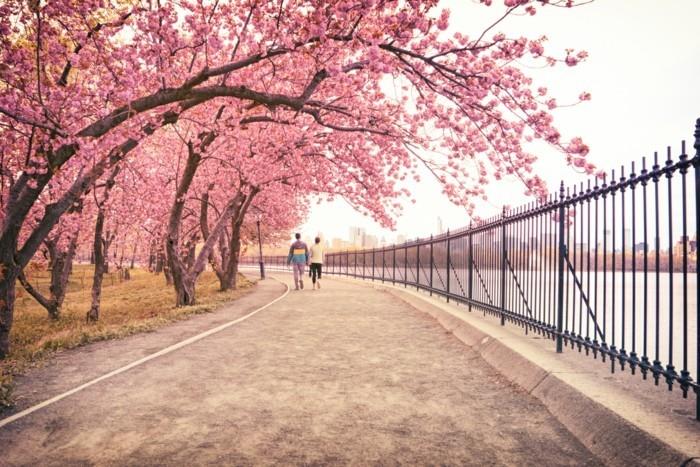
x: 314, y: 270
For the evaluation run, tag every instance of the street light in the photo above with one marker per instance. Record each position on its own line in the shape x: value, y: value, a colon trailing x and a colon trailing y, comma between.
x: 262, y: 265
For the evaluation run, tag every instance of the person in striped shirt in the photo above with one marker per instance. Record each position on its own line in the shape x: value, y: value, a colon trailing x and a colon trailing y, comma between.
x: 298, y: 257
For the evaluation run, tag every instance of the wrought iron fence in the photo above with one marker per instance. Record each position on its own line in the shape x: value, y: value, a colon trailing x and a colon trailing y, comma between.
x: 607, y: 267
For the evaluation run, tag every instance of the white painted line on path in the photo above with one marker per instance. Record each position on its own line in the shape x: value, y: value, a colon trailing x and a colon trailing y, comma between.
x: 145, y: 359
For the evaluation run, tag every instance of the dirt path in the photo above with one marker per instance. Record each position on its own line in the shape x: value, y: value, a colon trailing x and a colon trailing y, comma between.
x: 344, y: 375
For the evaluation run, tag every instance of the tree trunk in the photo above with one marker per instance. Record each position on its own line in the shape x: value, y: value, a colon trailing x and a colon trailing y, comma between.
x: 51, y: 305
x: 219, y: 269
x: 61, y: 266
x: 101, y: 249
x: 152, y: 257
x: 184, y: 277
x: 100, y: 257
x: 231, y: 273
x: 133, y: 255
x: 189, y: 257
x: 158, y: 258
x: 121, y: 259
x: 8, y: 275
x: 182, y: 280
x: 168, y: 275
x: 184, y: 289
x: 64, y: 266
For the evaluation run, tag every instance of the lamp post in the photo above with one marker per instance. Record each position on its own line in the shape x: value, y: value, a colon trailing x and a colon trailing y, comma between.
x: 262, y: 265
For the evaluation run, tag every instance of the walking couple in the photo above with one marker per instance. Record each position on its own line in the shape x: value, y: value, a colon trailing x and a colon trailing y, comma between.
x: 299, y: 256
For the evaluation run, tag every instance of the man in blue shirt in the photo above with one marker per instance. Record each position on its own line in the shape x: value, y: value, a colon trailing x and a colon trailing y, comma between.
x: 298, y: 257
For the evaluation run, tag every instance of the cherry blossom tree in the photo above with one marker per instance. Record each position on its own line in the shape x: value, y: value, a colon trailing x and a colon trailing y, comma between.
x: 83, y: 84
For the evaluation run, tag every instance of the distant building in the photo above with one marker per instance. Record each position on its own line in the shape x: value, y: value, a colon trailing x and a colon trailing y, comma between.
x: 641, y: 247
x: 400, y: 239
x: 607, y: 240
x: 683, y: 241
x: 440, y: 228
x: 340, y: 244
x: 628, y: 239
x: 370, y: 241
x: 357, y: 236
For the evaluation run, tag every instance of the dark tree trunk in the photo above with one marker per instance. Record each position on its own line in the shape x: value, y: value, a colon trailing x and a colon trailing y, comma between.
x: 234, y: 249
x: 184, y: 289
x: 160, y: 262
x: 190, y: 249
x: 231, y: 273
x: 9, y: 272
x: 182, y: 280
x: 101, y: 248
x: 219, y: 268
x: 61, y: 266
x: 184, y: 275
x: 121, y: 259
x: 152, y: 257
x: 100, y: 257
x: 133, y: 255
x: 168, y: 275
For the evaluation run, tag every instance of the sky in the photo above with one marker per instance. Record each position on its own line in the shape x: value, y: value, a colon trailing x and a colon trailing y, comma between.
x: 643, y: 72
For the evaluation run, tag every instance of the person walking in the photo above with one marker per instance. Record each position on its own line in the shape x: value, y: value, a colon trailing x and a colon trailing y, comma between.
x: 316, y: 262
x: 298, y: 257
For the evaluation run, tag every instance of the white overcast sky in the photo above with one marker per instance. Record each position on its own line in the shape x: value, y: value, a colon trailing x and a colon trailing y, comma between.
x: 643, y: 72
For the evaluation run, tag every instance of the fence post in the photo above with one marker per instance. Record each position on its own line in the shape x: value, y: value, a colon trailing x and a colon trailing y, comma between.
x: 447, y: 267
x: 405, y: 264
x: 696, y: 167
x: 431, y: 265
x: 503, y: 266
x: 471, y: 266
x: 373, y: 273
x: 383, y: 262
x: 417, y: 265
x: 364, y: 264
x: 560, y: 281
x: 393, y: 265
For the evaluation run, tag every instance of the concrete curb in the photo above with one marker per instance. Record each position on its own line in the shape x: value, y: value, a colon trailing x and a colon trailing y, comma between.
x: 570, y: 394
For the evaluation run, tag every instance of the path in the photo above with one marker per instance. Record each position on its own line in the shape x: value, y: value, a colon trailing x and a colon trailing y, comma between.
x: 344, y: 375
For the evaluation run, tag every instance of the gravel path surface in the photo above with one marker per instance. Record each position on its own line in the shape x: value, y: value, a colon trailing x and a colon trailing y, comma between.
x: 342, y: 375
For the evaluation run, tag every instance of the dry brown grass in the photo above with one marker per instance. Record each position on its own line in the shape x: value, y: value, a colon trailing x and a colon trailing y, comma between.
x: 141, y: 304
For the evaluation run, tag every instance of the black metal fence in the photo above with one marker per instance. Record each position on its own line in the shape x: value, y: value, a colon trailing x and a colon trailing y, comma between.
x: 608, y: 267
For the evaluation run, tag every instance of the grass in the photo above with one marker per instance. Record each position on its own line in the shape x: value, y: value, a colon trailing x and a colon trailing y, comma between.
x: 141, y: 304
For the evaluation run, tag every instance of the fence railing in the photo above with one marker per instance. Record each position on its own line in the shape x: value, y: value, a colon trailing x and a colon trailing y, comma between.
x: 607, y: 267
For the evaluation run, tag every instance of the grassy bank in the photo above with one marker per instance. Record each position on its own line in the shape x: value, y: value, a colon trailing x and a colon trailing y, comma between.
x: 140, y: 304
